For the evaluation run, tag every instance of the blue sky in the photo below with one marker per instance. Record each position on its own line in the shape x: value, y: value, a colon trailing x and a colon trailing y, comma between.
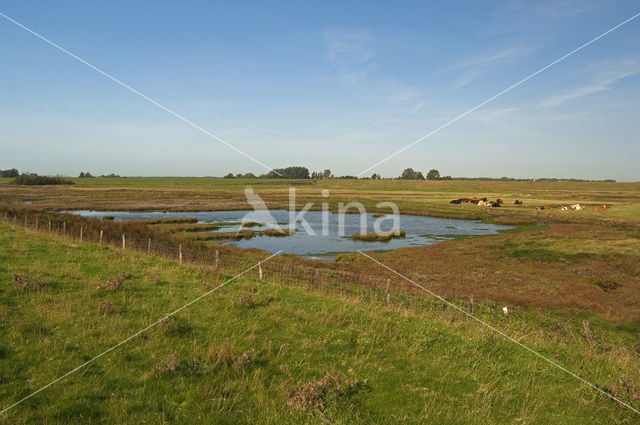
x: 322, y: 84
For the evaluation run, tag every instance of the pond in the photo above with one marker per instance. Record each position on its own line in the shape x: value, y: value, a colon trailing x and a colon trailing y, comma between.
x: 327, y: 234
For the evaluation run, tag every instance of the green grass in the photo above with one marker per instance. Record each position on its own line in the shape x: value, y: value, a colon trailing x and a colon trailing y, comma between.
x: 244, y: 356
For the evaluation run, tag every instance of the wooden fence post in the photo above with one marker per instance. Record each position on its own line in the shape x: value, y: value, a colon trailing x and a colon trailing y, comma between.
x: 180, y: 253
x: 316, y: 279
x: 471, y: 302
x: 587, y: 331
x: 217, y: 263
x: 260, y: 271
x: 64, y: 228
x: 124, y: 244
x: 49, y: 226
x: 101, y: 231
x: 25, y: 221
x: 36, y: 223
x: 149, y: 247
x: 80, y: 233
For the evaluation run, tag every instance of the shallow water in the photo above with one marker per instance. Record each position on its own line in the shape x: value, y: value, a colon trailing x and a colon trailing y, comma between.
x: 419, y: 230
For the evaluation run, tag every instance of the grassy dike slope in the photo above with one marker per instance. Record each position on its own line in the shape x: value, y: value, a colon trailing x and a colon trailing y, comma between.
x: 284, y: 354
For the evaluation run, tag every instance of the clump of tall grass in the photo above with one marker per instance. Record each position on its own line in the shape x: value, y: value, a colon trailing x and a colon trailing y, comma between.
x: 106, y: 307
x: 172, y: 220
x: 24, y: 283
x: 379, y: 237
x: 215, y: 236
x: 315, y: 394
x: 278, y: 232
x: 116, y: 282
x: 252, y: 224
x: 223, y: 355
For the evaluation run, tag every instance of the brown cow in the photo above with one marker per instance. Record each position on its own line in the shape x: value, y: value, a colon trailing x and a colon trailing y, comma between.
x: 499, y: 201
x: 519, y: 202
x: 602, y: 208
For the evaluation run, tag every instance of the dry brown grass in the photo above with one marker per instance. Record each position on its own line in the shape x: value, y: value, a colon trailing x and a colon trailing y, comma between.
x: 581, y: 268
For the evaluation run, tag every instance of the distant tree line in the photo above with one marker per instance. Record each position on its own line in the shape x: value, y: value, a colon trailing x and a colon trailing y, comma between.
x: 9, y: 173
x: 411, y: 174
x: 303, y: 173
x: 280, y: 173
x: 88, y: 175
x: 32, y: 179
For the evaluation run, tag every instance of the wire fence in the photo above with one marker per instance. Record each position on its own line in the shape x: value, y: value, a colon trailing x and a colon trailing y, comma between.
x: 368, y: 282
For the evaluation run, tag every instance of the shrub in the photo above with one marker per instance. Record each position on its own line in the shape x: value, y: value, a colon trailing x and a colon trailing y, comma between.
x: 36, y: 180
x: 9, y: 173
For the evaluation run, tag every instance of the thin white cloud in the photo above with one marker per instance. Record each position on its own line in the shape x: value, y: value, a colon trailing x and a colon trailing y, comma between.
x: 601, y: 81
x: 472, y: 68
x: 493, y: 116
x: 350, y: 51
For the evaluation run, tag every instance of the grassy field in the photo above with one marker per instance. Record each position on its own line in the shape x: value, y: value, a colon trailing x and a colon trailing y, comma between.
x: 283, y: 351
x: 269, y: 352
x: 419, y: 197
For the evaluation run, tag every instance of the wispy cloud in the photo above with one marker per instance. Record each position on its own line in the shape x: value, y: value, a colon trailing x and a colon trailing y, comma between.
x: 472, y: 68
x: 493, y: 116
x: 602, y: 80
x: 350, y: 51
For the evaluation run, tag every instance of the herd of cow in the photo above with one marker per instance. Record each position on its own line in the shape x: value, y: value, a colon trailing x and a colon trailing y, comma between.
x: 498, y: 202
x: 480, y: 201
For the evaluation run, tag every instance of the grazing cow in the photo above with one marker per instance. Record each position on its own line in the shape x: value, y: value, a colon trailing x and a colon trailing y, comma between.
x: 481, y: 203
x: 456, y: 201
x: 476, y: 201
x: 518, y: 202
x: 495, y: 204
x: 602, y: 208
x: 577, y: 207
x: 499, y: 201
x: 563, y: 208
x: 484, y: 199
x: 544, y: 207
x: 466, y: 200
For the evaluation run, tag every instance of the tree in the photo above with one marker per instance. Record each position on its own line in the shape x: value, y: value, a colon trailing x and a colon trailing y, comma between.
x: 229, y: 176
x: 433, y: 175
x: 9, y: 173
x: 326, y: 174
x: 410, y: 174
x: 289, y: 173
x: 375, y: 176
x: 81, y: 176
